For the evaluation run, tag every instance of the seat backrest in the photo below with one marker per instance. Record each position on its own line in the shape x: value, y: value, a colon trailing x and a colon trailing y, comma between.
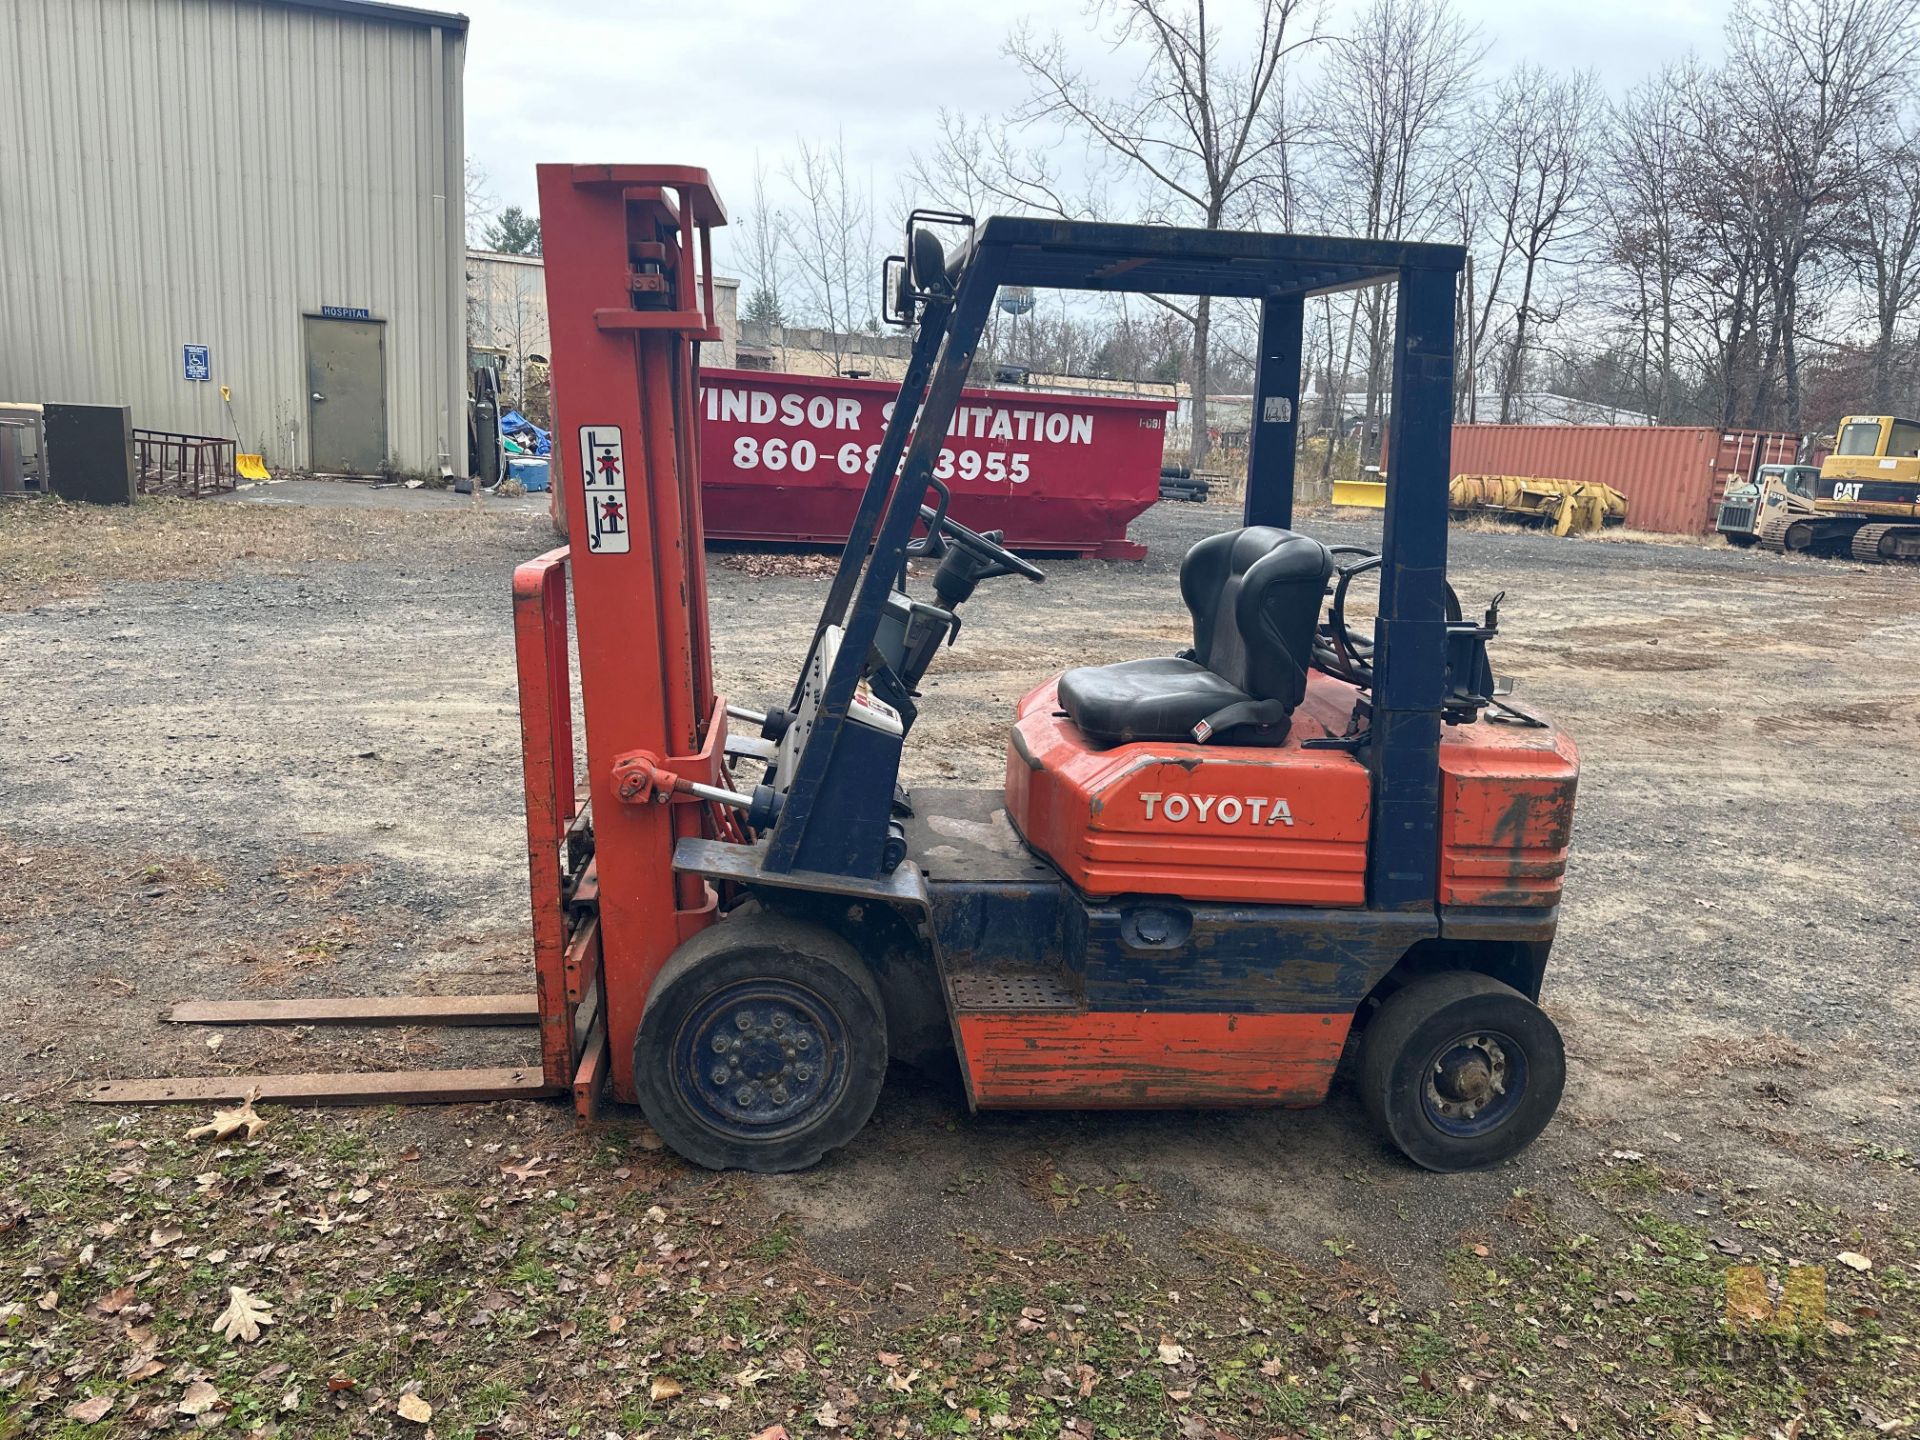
x: 1255, y: 599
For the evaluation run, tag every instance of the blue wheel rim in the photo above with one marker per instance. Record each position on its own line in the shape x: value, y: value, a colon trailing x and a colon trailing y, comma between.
x: 761, y: 1059
x: 1474, y: 1084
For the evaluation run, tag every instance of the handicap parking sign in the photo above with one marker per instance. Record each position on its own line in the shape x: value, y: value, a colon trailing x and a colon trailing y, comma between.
x: 197, y: 362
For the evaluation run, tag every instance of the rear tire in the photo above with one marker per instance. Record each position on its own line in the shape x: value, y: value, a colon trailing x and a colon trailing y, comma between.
x: 763, y: 1046
x: 1460, y: 1071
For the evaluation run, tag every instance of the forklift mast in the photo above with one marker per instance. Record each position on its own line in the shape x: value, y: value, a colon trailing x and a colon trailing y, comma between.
x: 630, y: 299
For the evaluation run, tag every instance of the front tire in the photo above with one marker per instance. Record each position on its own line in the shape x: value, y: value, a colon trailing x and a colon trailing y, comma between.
x: 763, y: 1045
x: 1460, y: 1071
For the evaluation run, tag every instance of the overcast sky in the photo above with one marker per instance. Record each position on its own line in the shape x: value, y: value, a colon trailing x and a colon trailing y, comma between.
x: 713, y: 82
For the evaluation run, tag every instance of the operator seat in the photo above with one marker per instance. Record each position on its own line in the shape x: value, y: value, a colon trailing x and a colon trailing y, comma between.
x: 1255, y: 599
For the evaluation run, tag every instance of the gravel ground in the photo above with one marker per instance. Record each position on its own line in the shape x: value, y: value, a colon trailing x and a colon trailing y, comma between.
x: 297, y: 773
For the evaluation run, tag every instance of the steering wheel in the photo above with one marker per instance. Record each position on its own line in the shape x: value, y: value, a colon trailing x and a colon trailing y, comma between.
x: 1345, y: 651
x: 981, y: 547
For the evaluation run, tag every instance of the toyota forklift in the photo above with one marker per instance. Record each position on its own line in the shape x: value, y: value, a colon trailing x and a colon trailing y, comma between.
x: 1202, y: 873
x: 1203, y: 877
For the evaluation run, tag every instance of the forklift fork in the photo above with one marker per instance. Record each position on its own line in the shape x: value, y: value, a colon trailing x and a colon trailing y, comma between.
x: 566, y: 1003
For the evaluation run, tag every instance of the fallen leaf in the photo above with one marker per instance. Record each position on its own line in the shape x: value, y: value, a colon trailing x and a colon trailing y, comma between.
x: 114, y: 1301
x: 772, y: 1432
x: 412, y: 1407
x: 290, y: 1400
x: 827, y: 1417
x: 228, y: 1123
x: 200, y: 1398
x: 664, y: 1387
x: 141, y: 1367
x: 656, y: 1216
x: 1854, y: 1260
x: 89, y: 1412
x: 1170, y: 1353
x: 50, y: 1300
x: 166, y: 1235
x: 525, y: 1172
x: 244, y: 1315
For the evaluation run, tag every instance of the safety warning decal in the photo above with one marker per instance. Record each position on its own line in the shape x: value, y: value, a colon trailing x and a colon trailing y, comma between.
x: 603, y: 464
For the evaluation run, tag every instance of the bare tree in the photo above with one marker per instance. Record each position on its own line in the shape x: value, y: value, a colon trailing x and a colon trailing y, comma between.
x: 831, y: 236
x: 1186, y: 143
x: 1810, y: 75
x: 1539, y: 148
x: 1647, y: 236
x: 764, y: 240
x: 1394, y: 93
x: 1886, y: 250
x: 481, y: 202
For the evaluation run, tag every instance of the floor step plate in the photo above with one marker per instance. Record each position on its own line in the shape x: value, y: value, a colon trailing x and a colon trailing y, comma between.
x: 1011, y: 991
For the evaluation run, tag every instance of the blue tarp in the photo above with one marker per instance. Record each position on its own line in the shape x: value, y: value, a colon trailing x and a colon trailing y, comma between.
x: 515, y: 424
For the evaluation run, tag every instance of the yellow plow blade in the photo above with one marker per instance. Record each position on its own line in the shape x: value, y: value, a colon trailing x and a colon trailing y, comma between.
x: 1370, y: 493
x: 251, y: 467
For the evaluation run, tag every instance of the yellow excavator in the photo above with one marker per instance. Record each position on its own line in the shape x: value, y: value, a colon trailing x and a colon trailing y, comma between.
x: 1866, y: 501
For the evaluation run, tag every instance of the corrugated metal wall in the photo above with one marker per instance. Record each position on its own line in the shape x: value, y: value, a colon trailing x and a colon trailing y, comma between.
x: 1670, y: 474
x: 207, y: 171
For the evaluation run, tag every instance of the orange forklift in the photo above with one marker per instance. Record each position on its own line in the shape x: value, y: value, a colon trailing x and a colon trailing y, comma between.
x: 1205, y: 875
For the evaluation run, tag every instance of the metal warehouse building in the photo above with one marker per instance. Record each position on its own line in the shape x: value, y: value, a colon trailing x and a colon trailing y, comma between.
x: 265, y: 195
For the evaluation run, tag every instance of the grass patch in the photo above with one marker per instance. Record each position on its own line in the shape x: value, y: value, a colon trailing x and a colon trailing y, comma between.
x: 535, y: 1308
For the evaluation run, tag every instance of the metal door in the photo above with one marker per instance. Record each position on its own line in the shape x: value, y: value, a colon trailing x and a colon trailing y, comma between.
x: 346, y: 396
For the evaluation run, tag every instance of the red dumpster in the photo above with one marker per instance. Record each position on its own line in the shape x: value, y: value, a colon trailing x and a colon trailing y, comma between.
x: 785, y: 457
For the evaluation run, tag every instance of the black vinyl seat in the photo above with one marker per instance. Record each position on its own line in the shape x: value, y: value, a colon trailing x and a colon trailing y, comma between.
x: 1254, y: 595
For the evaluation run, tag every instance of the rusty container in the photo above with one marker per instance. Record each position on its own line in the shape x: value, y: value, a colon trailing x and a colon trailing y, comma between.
x: 1672, y: 475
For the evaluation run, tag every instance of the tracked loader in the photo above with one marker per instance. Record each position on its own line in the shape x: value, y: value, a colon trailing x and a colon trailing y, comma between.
x: 1866, y: 501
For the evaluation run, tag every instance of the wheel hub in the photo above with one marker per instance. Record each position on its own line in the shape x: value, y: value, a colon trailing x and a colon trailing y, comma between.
x: 1468, y: 1078
x: 760, y: 1059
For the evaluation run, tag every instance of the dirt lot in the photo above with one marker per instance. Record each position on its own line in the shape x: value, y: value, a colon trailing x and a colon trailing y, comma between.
x: 271, y: 750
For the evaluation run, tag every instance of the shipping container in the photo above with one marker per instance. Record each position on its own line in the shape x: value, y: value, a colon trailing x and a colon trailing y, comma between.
x: 1672, y: 475
x: 785, y: 457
